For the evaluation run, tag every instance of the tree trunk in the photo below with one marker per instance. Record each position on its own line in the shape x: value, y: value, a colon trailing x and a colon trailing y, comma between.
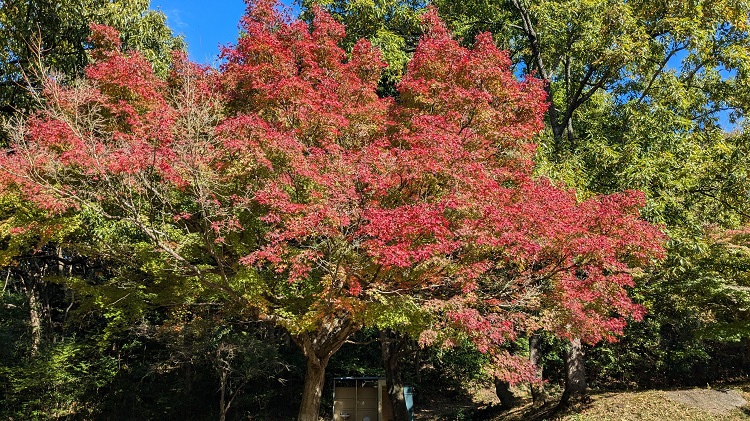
x: 575, y: 374
x: 393, y: 346
x: 35, y: 321
x: 538, y: 394
x: 35, y: 314
x: 313, y: 390
x: 223, y: 407
x: 507, y: 399
x: 318, y: 346
x: 537, y: 62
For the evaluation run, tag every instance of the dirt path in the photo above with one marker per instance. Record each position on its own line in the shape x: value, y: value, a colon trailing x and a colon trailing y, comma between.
x: 714, y: 401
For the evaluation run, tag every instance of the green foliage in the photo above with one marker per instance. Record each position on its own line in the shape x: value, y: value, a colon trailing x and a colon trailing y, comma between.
x: 398, y: 312
x: 12, y: 325
x: 38, y: 36
x: 58, y: 368
x: 394, y: 26
x: 466, y: 19
x: 361, y: 357
x: 61, y: 382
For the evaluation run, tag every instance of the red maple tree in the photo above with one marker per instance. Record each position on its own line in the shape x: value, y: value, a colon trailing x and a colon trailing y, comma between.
x: 286, y: 184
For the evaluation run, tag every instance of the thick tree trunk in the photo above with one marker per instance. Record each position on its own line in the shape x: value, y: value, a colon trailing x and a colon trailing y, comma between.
x: 575, y: 373
x: 507, y: 399
x: 318, y: 346
x: 311, y: 394
x: 538, y: 394
x: 393, y: 347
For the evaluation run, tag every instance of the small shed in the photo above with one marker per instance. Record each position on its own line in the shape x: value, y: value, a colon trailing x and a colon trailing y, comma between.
x: 365, y: 399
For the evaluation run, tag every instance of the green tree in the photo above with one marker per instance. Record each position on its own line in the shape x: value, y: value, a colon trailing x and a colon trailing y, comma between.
x: 38, y: 36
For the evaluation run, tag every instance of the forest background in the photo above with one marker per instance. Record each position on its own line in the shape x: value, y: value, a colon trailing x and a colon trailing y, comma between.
x: 644, y: 96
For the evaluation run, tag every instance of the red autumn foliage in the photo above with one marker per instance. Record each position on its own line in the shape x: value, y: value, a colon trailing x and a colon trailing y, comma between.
x: 287, y: 161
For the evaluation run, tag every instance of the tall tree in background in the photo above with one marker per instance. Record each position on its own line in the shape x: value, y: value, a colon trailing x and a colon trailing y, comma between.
x: 54, y: 34
x: 38, y: 37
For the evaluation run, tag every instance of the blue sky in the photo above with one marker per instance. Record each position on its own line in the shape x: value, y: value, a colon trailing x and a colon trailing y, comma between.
x: 205, y: 25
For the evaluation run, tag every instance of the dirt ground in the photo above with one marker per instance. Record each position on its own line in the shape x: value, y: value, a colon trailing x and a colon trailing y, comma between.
x: 713, y: 401
x: 727, y: 403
